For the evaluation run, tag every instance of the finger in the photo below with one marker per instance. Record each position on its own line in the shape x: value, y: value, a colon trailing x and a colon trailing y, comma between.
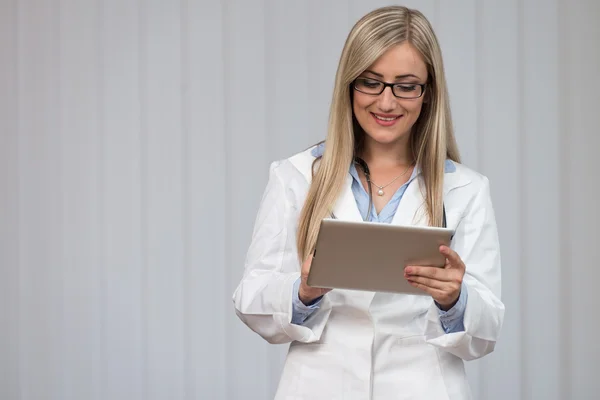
x: 435, y: 293
x: 439, y: 274
x: 452, y: 256
x: 438, y: 295
x: 430, y: 283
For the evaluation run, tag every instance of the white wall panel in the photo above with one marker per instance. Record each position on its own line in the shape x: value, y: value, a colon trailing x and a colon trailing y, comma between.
x: 208, y: 299
x: 80, y: 163
x: 163, y: 158
x: 540, y: 247
x: 42, y: 334
x: 135, y: 139
x: 9, y: 204
x: 286, y: 76
x: 120, y: 134
x: 580, y: 144
x: 500, y: 110
x: 246, y: 172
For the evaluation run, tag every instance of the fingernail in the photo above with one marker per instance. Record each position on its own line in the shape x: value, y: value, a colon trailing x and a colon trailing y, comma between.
x: 408, y: 271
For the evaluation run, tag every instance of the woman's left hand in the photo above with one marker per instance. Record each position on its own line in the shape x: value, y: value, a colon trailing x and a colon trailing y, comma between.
x: 443, y: 284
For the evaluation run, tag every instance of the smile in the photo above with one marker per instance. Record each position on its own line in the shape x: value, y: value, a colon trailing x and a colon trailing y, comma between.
x: 386, y: 120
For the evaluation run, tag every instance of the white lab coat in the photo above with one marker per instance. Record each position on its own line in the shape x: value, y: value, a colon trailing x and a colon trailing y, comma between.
x: 366, y: 345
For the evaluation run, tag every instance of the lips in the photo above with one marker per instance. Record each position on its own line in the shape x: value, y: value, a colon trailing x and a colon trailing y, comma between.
x: 386, y: 119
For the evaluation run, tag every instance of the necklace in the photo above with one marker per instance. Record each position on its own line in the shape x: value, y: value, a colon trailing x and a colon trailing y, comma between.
x: 380, y: 192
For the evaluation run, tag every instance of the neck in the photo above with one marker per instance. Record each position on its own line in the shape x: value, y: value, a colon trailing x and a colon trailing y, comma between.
x: 387, y: 155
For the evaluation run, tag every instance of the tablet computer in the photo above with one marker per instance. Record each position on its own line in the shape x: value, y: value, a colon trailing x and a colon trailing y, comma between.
x: 371, y: 256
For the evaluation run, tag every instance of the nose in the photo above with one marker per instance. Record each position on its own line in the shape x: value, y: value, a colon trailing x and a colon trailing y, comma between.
x: 387, y: 100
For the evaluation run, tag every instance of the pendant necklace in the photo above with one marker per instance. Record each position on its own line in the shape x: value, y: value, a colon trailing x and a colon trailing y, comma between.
x: 380, y: 192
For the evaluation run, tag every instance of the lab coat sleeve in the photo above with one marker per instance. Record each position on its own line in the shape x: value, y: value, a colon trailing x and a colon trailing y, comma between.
x: 476, y: 241
x: 263, y: 298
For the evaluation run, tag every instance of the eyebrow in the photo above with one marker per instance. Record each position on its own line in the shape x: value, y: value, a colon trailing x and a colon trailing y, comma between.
x: 397, y: 76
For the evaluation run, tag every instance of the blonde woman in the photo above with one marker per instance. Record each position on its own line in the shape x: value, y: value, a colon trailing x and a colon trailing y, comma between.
x: 389, y: 156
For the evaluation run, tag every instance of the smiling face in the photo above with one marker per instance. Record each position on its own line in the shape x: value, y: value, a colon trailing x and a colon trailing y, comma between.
x: 385, y: 118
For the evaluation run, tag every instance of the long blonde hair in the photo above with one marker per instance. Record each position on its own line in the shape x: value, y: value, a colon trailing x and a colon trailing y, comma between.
x: 432, y: 139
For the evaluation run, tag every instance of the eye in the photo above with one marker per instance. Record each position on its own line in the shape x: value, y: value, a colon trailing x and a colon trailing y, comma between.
x: 369, y: 83
x: 407, y: 88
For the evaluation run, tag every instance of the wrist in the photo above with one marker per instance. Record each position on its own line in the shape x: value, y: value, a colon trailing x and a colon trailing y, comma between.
x: 447, y: 307
x: 306, y: 295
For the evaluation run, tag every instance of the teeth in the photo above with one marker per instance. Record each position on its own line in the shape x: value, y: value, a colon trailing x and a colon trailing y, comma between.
x: 384, y: 119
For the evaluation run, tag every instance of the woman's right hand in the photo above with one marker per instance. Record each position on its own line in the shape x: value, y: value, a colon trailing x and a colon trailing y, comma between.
x: 308, y: 294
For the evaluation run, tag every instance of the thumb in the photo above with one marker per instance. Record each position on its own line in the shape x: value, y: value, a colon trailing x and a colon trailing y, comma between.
x: 454, y: 260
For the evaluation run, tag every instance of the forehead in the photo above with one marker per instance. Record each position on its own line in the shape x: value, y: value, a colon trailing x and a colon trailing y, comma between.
x: 402, y: 59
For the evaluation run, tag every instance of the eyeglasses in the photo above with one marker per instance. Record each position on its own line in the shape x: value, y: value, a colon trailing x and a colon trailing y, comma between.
x: 400, y: 90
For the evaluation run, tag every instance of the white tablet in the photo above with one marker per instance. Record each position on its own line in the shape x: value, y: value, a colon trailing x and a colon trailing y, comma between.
x: 371, y: 256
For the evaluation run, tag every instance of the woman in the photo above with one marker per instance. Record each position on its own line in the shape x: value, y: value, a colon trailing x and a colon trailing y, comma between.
x: 390, y: 134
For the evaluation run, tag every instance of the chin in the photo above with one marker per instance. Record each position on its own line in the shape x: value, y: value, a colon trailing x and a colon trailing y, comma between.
x: 386, y: 137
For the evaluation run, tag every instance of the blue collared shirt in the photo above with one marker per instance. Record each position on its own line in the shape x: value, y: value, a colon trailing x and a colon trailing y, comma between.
x: 452, y: 320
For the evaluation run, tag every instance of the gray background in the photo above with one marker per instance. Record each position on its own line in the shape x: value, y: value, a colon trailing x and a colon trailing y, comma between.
x: 135, y: 138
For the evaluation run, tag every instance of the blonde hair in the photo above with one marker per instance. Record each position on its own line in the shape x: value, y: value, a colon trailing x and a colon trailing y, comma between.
x: 432, y: 139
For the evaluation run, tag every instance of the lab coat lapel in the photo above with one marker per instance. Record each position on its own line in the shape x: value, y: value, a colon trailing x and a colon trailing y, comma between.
x: 454, y: 180
x: 345, y: 207
x: 412, y: 209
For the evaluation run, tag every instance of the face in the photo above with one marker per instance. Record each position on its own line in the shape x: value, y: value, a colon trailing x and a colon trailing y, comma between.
x: 386, y: 118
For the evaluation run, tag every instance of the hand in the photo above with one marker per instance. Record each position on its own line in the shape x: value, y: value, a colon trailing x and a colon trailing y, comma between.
x: 443, y: 284
x: 306, y: 293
